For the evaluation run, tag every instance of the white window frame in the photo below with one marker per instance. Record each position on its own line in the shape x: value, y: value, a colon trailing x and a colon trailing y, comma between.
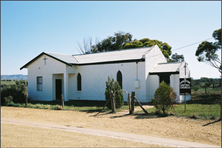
x: 39, y: 83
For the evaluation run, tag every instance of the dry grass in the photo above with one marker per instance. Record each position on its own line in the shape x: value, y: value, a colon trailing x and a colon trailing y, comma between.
x: 193, y: 130
x: 38, y: 137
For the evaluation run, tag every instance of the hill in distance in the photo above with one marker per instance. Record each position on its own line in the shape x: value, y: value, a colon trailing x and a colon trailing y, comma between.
x: 14, y: 77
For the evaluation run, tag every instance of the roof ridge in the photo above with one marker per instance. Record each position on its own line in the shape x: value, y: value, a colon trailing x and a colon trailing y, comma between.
x: 123, y: 50
x: 75, y: 58
x: 57, y: 53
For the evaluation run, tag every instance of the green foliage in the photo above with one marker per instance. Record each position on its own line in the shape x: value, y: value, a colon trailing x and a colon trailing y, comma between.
x: 176, y: 58
x: 206, y: 51
x: 164, y: 97
x: 217, y: 37
x: 114, y: 86
x: 8, y: 100
x: 123, y: 40
x: 16, y: 91
x: 196, y: 88
x: 164, y: 47
x: 116, y: 42
x: 134, y: 44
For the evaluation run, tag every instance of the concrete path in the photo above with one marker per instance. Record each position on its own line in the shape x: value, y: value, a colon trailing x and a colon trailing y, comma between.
x: 117, y: 135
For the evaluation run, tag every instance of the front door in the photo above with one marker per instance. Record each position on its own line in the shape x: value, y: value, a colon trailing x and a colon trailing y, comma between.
x: 58, y: 89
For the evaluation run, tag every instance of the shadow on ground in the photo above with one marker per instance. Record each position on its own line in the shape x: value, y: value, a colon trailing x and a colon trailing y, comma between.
x: 212, y: 122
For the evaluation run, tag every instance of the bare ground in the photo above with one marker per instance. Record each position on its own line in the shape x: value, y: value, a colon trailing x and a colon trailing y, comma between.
x: 192, y: 130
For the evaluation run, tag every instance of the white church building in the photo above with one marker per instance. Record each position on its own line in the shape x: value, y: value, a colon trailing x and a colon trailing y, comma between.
x: 83, y: 77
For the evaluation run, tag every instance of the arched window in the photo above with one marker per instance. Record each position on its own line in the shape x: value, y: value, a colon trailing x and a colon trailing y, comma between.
x: 119, y: 78
x: 79, y: 82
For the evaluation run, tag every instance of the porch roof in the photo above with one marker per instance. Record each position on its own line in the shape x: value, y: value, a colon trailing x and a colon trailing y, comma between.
x: 166, y: 68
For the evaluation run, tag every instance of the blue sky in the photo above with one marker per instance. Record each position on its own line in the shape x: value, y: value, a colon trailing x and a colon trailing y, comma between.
x: 31, y: 27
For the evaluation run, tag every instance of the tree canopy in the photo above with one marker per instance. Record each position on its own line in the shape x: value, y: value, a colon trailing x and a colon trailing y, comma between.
x: 121, y: 41
x: 176, y: 58
x: 116, y: 42
x: 206, y: 51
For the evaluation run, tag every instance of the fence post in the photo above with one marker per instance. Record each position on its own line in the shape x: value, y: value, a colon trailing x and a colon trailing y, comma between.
x: 113, y: 106
x: 114, y: 103
x: 111, y: 97
x: 62, y: 102
x: 129, y: 103
x: 132, y: 102
x: 26, y: 100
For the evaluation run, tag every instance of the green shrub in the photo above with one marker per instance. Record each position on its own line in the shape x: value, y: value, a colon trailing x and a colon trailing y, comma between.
x: 16, y: 91
x: 56, y: 107
x: 196, y: 88
x: 114, y: 86
x: 8, y: 100
x: 164, y: 97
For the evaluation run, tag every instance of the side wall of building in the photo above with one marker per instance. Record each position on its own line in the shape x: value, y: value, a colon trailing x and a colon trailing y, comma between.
x: 93, y: 79
x: 152, y: 58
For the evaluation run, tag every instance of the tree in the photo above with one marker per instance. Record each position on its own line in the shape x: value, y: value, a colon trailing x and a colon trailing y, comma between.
x: 176, y: 58
x: 116, y: 42
x: 164, y: 47
x: 114, y: 86
x: 206, y: 51
x: 134, y: 44
x: 123, y: 40
x: 87, y: 47
x: 164, y: 97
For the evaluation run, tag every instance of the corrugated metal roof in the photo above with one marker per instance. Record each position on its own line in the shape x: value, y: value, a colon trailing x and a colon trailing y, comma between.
x: 66, y: 58
x: 121, y: 55
x: 166, y: 67
x: 102, y: 57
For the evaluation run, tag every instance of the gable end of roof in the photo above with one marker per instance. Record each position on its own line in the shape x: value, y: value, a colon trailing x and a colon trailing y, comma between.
x: 43, y: 53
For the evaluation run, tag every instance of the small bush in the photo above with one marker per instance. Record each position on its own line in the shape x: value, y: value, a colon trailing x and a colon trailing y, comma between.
x: 38, y: 106
x: 164, y: 97
x: 196, y: 88
x: 114, y: 86
x: 8, y: 100
x: 57, y: 107
x: 47, y: 107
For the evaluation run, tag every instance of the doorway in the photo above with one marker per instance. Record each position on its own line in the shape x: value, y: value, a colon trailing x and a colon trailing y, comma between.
x: 58, y: 88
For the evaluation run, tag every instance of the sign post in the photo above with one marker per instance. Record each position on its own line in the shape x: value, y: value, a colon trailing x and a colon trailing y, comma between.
x: 185, y: 66
x: 185, y: 87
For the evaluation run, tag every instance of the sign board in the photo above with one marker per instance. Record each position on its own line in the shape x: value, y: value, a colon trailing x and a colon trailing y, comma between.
x: 185, y: 86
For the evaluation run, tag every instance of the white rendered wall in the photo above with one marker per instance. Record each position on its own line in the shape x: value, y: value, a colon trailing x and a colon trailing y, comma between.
x: 174, y: 83
x: 95, y: 76
x: 153, y: 81
x: 152, y: 58
x: 38, y: 68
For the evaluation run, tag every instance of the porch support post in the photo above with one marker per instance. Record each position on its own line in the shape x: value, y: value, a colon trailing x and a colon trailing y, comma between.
x: 66, y: 81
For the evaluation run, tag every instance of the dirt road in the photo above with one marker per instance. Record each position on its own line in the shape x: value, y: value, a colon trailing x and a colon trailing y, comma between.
x: 191, y: 130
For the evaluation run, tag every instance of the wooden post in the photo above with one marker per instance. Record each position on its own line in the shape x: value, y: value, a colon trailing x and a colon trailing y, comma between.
x: 26, y: 100
x: 103, y: 106
x: 112, y: 96
x: 129, y: 103
x: 141, y: 105
x: 132, y: 102
x: 62, y: 102
x: 114, y: 103
x: 185, y: 102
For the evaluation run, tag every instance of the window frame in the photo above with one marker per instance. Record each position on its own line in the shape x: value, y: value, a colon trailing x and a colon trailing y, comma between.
x: 118, y: 78
x: 39, y: 84
x: 79, y: 82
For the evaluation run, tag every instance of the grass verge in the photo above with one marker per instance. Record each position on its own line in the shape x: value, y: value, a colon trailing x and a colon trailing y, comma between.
x: 69, y: 105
